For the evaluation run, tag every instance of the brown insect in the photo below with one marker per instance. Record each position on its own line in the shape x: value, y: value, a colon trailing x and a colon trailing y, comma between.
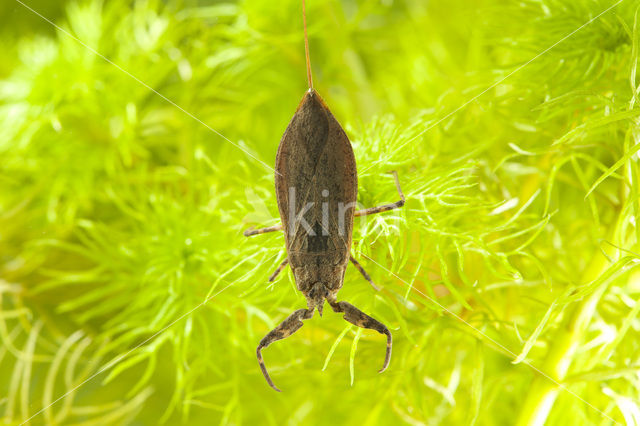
x: 316, y: 188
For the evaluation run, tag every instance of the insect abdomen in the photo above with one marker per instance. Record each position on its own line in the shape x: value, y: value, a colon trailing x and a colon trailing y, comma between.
x: 316, y: 182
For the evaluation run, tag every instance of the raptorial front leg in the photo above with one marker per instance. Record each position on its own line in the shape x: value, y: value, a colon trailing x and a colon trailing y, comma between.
x: 278, y: 270
x: 363, y: 272
x: 249, y: 232
x: 285, y: 329
x: 357, y: 317
x: 385, y: 207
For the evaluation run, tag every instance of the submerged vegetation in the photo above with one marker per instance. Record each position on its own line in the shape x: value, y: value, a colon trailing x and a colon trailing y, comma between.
x: 129, y: 295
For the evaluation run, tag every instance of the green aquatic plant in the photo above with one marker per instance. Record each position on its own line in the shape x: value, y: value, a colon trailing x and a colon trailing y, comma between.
x: 128, y: 294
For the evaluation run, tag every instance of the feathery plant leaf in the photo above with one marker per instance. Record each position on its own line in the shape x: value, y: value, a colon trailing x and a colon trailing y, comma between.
x: 129, y: 295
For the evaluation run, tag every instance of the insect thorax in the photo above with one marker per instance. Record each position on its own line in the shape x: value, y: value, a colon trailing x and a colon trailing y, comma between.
x: 327, y: 268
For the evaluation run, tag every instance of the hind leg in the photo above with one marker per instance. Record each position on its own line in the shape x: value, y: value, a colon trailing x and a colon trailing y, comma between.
x: 285, y: 329
x: 385, y: 207
x: 357, y: 317
x: 249, y: 232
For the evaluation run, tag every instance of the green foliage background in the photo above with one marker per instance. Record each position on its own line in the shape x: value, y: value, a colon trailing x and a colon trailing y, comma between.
x: 120, y: 213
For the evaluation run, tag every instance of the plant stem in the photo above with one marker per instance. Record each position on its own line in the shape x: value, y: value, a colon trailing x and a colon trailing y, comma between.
x: 563, y: 345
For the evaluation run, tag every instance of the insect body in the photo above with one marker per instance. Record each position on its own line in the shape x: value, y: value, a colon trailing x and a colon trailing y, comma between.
x: 316, y: 188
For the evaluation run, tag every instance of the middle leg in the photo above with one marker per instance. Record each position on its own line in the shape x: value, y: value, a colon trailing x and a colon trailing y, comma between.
x: 278, y: 270
x: 363, y: 272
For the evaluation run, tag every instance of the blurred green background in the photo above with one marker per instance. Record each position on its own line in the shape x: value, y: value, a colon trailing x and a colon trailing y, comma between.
x: 128, y: 294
